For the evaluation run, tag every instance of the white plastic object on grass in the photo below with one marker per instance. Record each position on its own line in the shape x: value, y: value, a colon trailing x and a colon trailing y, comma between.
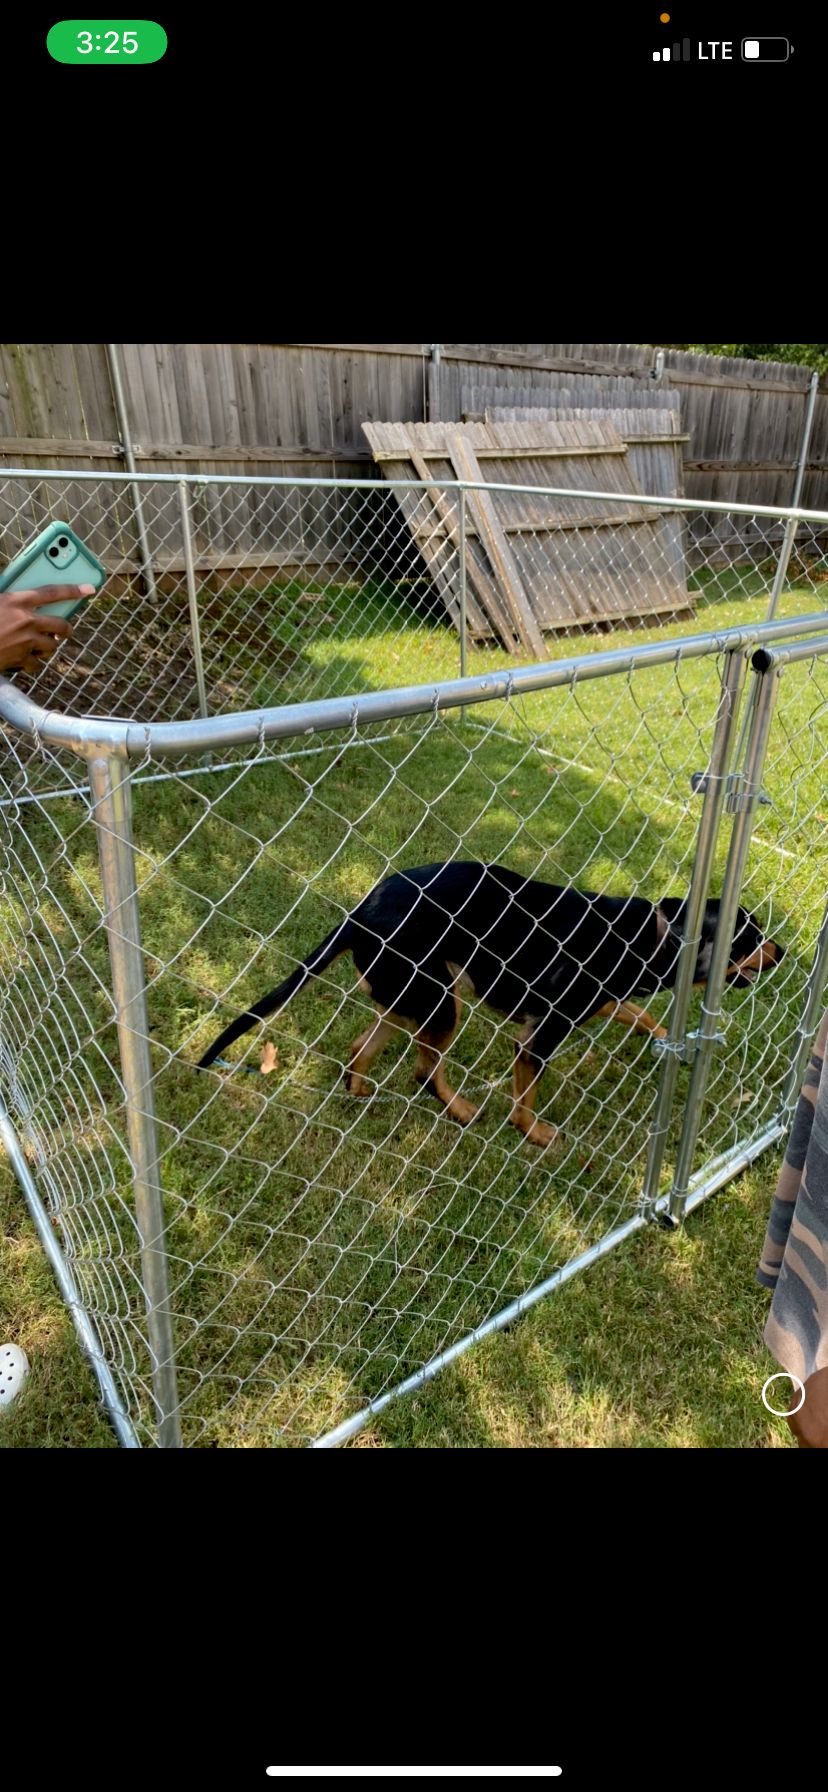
x: 14, y: 1367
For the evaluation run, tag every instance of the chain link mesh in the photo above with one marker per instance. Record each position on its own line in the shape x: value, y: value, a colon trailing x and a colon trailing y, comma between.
x: 307, y: 591
x: 322, y: 1248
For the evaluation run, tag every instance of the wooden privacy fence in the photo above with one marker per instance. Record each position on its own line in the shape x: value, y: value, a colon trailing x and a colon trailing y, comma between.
x: 298, y: 410
x: 744, y: 419
x: 590, y: 393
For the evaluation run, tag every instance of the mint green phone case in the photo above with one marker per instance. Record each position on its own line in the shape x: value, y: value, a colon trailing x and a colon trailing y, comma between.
x: 56, y: 557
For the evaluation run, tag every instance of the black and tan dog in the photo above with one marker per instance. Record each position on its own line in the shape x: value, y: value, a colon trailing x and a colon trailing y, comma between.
x: 546, y: 957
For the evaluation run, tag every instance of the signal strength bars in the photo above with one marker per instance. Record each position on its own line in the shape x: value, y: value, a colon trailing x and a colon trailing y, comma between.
x: 678, y: 53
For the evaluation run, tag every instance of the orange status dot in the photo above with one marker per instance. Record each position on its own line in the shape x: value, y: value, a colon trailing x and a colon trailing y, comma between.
x: 664, y: 17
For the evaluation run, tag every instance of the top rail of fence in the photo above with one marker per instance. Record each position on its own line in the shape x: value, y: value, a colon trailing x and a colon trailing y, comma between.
x: 86, y: 734
x: 636, y: 499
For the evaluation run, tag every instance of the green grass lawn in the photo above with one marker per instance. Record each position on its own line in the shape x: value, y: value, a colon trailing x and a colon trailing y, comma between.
x: 322, y: 1249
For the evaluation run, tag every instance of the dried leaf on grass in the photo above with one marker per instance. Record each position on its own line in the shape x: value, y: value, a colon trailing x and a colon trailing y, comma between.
x: 270, y: 1058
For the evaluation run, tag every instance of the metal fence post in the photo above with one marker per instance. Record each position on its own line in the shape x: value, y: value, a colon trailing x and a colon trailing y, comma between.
x: 743, y: 803
x: 109, y: 778
x: 129, y: 457
x: 673, y: 1047
x: 793, y: 522
x: 463, y: 644
x: 462, y: 545
x: 192, y: 596
x: 788, y: 539
x: 434, y: 409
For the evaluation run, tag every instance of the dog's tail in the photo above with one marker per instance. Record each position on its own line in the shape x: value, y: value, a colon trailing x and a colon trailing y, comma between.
x: 337, y: 942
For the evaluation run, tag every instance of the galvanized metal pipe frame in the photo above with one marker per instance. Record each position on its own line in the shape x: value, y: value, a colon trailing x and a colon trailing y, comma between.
x: 109, y: 778
x: 108, y: 745
x: 218, y: 733
x: 671, y: 1048
x: 637, y: 499
x: 686, y: 1193
x: 746, y: 801
x: 350, y: 1427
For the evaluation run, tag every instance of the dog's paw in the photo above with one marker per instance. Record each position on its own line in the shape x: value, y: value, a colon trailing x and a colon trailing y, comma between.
x: 463, y: 1111
x: 540, y: 1133
x: 357, y: 1085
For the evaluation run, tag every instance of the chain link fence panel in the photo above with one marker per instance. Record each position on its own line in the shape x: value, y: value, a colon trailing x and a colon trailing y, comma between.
x: 264, y: 1248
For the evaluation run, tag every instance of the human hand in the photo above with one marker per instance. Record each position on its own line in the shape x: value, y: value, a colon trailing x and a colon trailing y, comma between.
x: 26, y: 637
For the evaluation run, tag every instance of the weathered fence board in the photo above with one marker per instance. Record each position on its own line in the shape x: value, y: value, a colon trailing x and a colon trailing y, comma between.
x: 654, y: 442
x: 571, y: 560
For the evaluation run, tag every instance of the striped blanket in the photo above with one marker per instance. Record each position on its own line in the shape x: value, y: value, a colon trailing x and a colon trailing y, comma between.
x: 794, y: 1260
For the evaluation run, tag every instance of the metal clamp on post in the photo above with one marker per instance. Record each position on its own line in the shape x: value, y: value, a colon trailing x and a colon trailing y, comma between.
x: 736, y: 796
x: 682, y: 1049
x: 740, y: 797
x: 685, y: 1049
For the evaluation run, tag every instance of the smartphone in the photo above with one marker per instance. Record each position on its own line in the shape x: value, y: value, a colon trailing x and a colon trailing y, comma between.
x: 56, y: 557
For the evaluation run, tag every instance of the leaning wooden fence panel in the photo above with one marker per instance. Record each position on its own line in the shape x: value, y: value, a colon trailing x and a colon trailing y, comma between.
x: 568, y: 560
x: 654, y: 442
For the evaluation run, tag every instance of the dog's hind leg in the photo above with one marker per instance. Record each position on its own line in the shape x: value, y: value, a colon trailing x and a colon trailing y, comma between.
x: 433, y: 1040
x: 534, y: 1047
x: 528, y: 1070
x: 365, y: 1049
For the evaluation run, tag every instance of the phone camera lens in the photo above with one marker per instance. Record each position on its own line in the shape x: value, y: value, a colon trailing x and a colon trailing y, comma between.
x: 63, y: 541
x: 53, y: 552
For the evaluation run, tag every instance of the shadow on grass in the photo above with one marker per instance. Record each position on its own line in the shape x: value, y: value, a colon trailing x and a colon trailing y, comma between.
x: 659, y: 1347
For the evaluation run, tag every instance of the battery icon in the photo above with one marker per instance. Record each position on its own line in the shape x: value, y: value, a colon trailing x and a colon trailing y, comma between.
x: 765, y: 49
